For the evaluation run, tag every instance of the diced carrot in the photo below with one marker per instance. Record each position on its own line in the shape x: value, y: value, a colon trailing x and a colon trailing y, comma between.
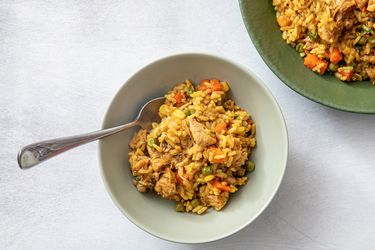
x: 217, y: 86
x: 217, y: 184
x: 335, y: 56
x: 178, y: 97
x: 311, y: 61
x: 220, y: 127
x: 324, y: 68
x: 283, y: 21
x: 214, y: 81
x: 217, y: 152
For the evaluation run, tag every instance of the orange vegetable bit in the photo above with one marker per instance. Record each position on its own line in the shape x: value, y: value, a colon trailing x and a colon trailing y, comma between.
x: 283, y: 21
x: 311, y: 61
x: 179, y: 96
x: 217, y: 87
x: 335, y: 56
x: 217, y: 184
x: 217, y: 152
x: 204, y: 81
x: 214, y: 81
x: 220, y: 127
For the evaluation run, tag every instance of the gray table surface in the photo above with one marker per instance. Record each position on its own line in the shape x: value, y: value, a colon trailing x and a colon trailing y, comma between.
x: 61, y: 62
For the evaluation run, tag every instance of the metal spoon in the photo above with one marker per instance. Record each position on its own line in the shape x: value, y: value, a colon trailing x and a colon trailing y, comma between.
x: 36, y: 153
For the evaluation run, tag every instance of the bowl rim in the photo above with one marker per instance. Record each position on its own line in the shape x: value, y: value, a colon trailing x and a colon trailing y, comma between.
x: 285, y: 79
x: 283, y: 164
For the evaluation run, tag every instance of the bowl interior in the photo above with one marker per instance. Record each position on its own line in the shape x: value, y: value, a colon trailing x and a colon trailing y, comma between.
x: 284, y: 61
x: 157, y: 216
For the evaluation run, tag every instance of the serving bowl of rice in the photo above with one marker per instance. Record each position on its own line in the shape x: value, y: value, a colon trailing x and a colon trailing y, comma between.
x: 250, y: 193
x: 322, y: 49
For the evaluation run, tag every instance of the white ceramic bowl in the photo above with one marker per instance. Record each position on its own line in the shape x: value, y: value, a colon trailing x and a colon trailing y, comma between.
x: 157, y: 216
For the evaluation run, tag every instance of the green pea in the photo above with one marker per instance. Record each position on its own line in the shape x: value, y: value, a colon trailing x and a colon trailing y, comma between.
x: 207, y: 170
x: 250, y: 166
x: 333, y: 67
x: 190, y: 92
x: 180, y: 207
x: 187, y: 112
x: 151, y: 142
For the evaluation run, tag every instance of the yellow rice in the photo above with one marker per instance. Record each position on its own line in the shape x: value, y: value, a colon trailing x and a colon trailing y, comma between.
x: 317, y: 27
x: 199, y: 153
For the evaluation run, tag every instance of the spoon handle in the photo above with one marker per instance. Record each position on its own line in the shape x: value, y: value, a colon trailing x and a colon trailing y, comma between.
x: 36, y: 153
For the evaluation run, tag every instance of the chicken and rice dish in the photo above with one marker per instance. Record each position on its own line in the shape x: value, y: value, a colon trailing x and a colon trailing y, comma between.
x: 199, y: 152
x: 333, y: 36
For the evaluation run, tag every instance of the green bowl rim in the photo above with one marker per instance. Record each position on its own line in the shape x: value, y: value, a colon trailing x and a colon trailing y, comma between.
x: 286, y: 81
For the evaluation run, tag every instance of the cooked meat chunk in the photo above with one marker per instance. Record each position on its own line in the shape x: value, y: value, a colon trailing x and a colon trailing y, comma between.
x: 217, y: 201
x: 166, y: 185
x: 343, y: 16
x: 139, y: 140
x: 139, y: 162
x: 201, y: 135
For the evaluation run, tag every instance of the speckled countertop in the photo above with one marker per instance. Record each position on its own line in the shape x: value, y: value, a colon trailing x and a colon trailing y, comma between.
x: 61, y: 62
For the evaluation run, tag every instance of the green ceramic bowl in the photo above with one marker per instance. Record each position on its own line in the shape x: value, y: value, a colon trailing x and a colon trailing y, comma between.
x: 260, y: 20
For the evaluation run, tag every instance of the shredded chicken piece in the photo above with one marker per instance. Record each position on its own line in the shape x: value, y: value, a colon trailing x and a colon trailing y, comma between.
x: 201, y: 135
x: 141, y: 162
x: 139, y: 140
x: 342, y: 14
x: 166, y: 185
x: 217, y: 201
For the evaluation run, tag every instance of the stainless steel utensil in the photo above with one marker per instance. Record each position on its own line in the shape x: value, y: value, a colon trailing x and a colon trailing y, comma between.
x: 36, y: 153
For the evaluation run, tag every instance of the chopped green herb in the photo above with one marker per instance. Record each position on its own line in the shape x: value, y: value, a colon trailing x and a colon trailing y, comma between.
x: 313, y: 36
x: 137, y: 178
x: 366, y: 30
x: 299, y: 47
